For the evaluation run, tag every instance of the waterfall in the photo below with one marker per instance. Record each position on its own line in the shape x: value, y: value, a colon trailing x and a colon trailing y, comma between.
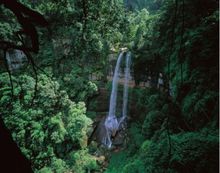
x: 125, y: 92
x: 113, y: 99
x: 111, y: 122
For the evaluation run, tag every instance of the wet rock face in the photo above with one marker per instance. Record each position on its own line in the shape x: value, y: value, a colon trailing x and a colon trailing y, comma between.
x: 119, y: 139
x: 111, y: 123
x: 101, y: 102
x: 101, y: 134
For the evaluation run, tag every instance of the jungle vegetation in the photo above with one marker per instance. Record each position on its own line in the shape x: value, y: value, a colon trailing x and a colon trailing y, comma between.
x: 49, y: 104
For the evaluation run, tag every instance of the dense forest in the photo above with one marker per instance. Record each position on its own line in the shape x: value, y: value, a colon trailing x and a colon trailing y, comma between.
x: 58, y: 62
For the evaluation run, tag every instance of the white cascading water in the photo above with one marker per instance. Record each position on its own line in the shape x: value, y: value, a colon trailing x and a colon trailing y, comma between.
x: 111, y: 122
x: 125, y: 92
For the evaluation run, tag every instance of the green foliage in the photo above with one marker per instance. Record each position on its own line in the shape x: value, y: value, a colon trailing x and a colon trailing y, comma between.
x: 169, y: 147
x: 178, y: 134
x: 133, y: 167
x: 78, y: 125
x: 135, y: 134
x: 45, y: 170
x: 48, y: 130
x: 116, y: 158
x: 152, y: 123
x: 141, y: 99
x: 82, y: 161
x: 151, y: 5
x: 200, y: 107
x: 82, y: 35
x: 58, y: 166
x: 5, y: 31
x: 190, y: 152
x: 78, y: 87
x: 8, y: 25
x: 195, y: 152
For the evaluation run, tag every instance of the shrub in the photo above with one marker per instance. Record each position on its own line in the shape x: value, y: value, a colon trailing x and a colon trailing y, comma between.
x: 152, y: 123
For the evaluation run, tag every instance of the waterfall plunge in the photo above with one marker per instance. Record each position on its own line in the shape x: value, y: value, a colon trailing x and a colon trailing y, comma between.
x: 125, y: 93
x: 111, y: 123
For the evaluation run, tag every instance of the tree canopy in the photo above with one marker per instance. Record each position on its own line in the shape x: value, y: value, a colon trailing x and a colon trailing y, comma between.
x: 54, y: 99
